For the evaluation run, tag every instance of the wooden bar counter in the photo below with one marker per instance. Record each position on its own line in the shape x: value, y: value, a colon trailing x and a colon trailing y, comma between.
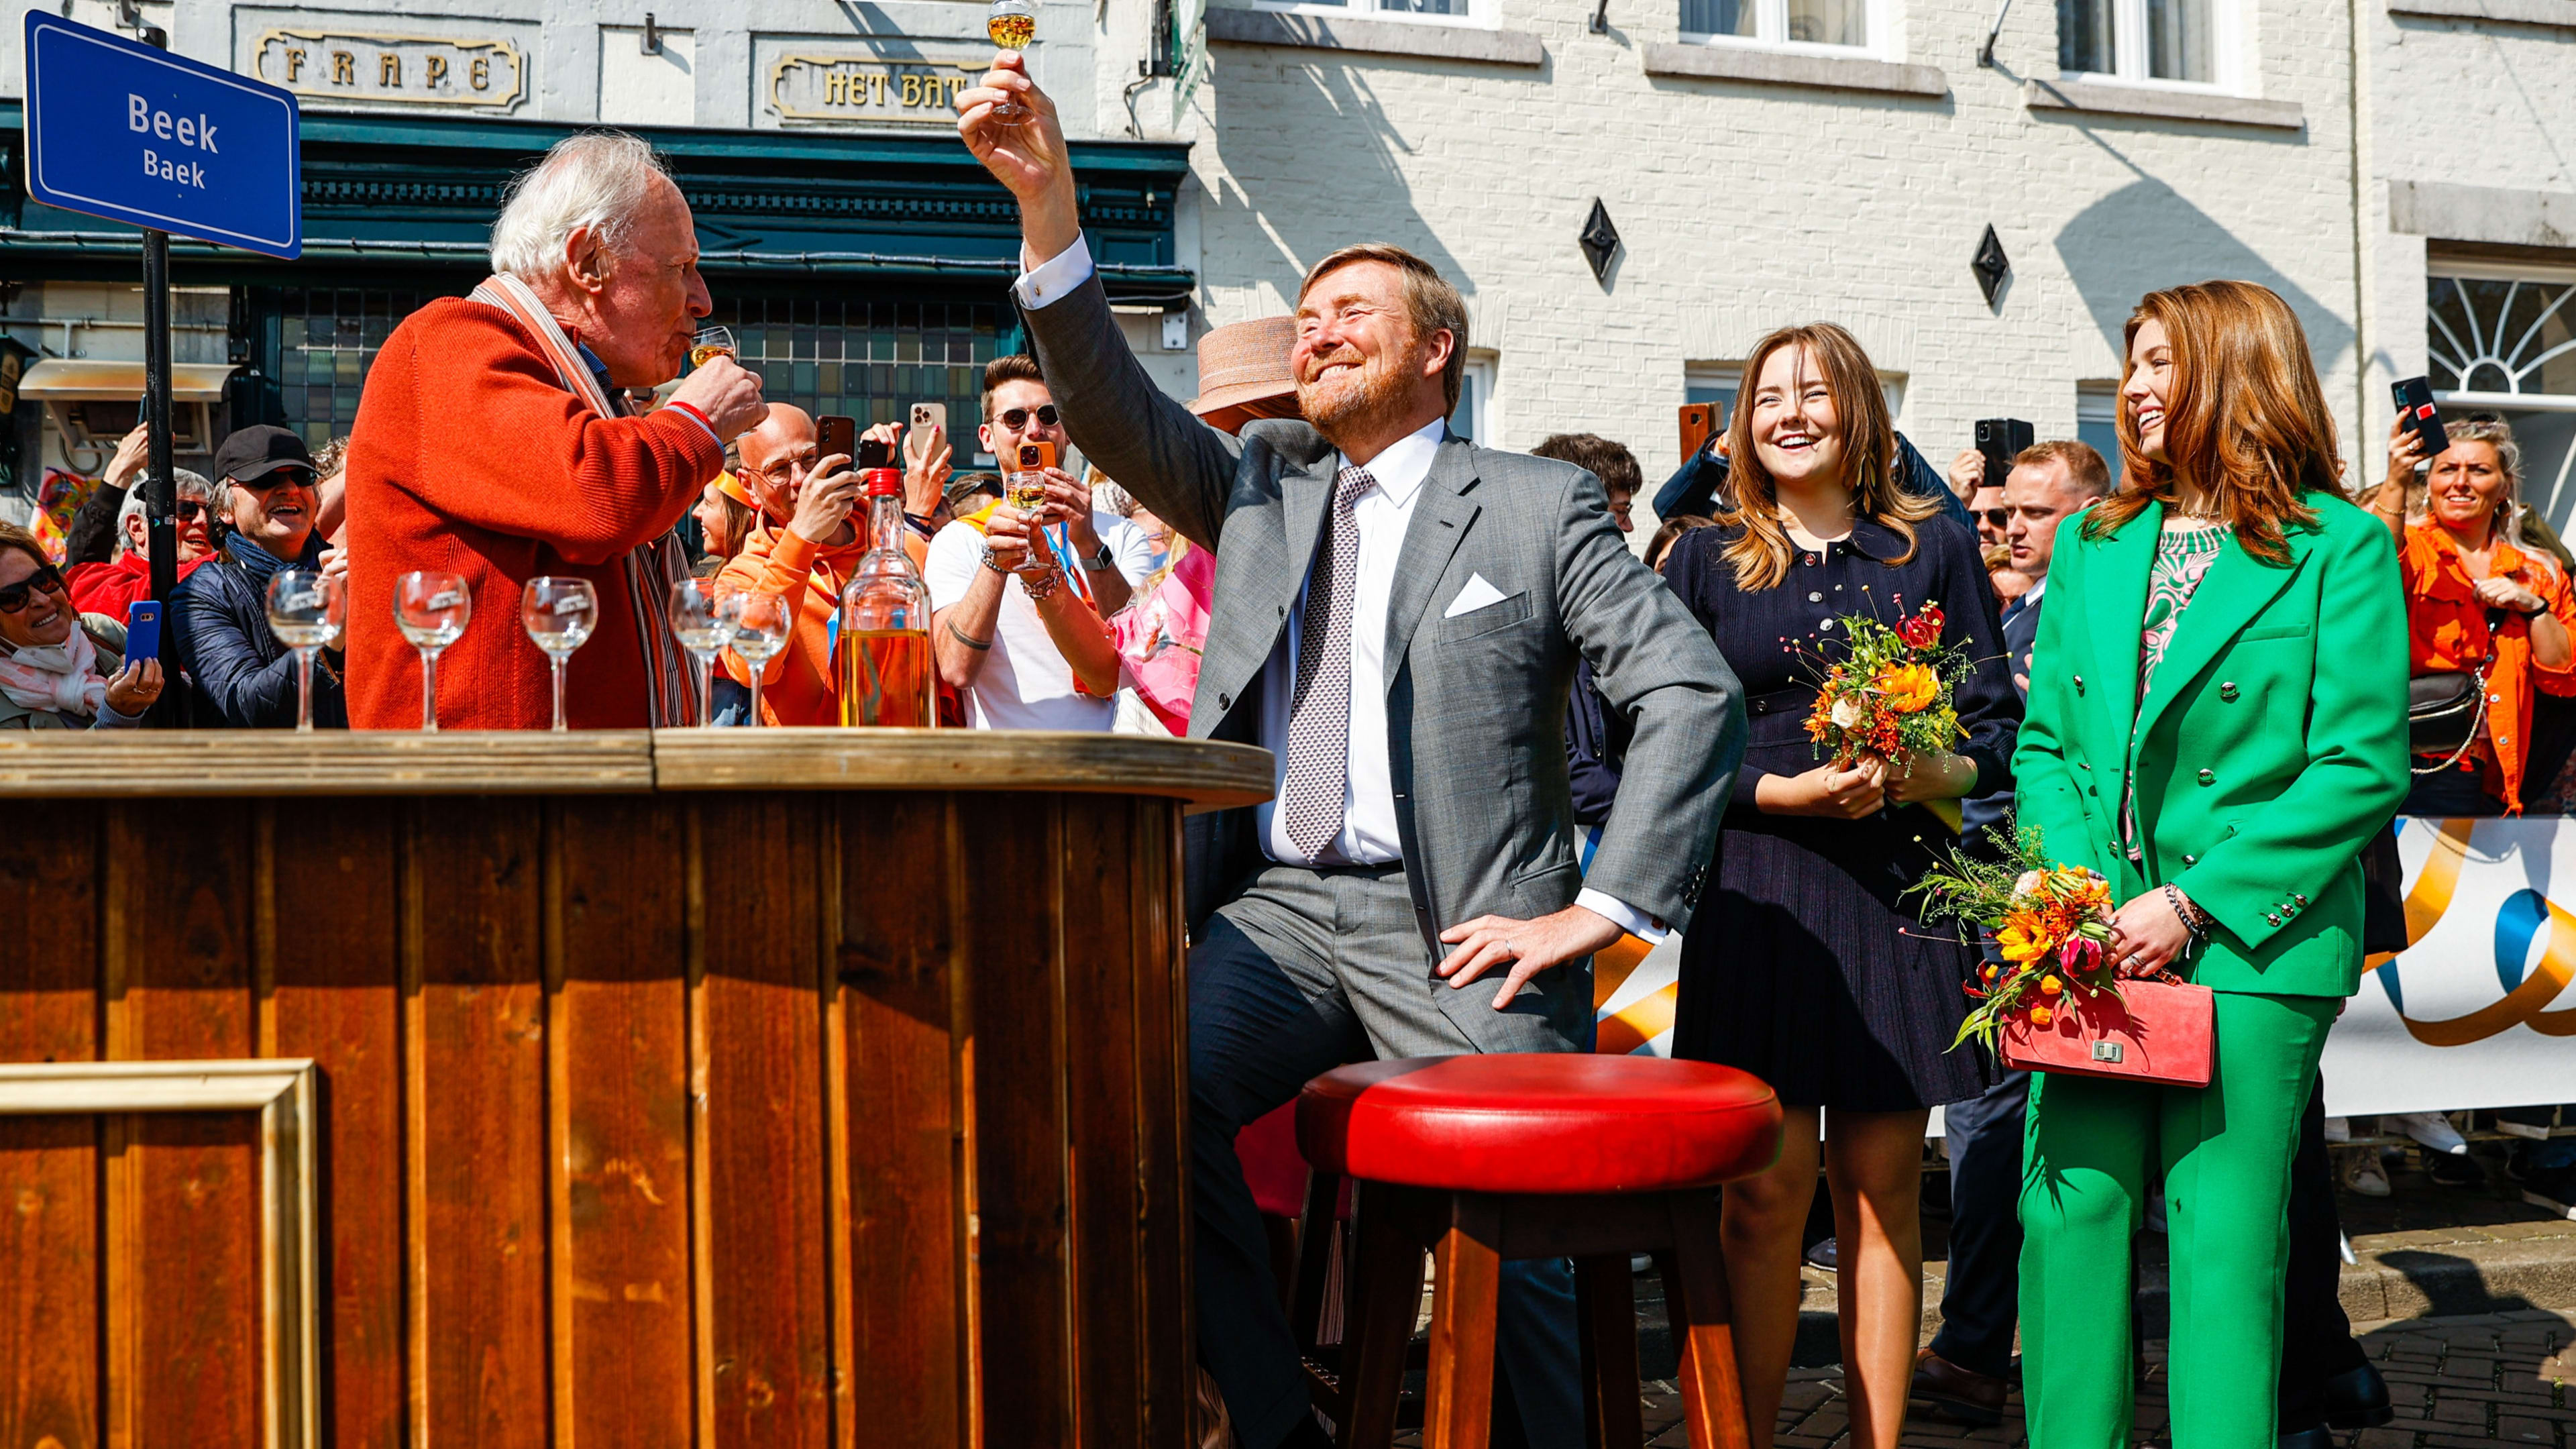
x: 747, y: 1087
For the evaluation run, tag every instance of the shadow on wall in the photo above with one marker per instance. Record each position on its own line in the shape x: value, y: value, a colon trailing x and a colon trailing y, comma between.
x: 1319, y: 110
x: 2145, y: 236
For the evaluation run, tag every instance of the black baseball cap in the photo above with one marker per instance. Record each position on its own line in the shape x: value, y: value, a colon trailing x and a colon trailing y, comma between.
x: 256, y: 452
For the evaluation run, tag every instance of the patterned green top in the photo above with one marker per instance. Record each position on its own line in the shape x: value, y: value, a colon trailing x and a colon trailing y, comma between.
x: 2183, y: 555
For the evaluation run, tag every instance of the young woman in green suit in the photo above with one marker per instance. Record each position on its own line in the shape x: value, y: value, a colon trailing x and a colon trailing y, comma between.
x: 2217, y: 722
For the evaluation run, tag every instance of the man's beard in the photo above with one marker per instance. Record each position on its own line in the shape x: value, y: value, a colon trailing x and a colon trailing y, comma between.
x: 1373, y: 394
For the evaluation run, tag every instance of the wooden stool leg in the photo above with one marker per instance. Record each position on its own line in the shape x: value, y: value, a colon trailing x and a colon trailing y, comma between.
x: 1315, y: 1234
x: 1388, y: 1290
x: 1695, y: 1294
x: 1605, y: 1303
x: 1458, y: 1393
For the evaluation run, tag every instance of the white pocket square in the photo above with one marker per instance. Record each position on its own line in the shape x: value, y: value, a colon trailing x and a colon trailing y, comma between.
x: 1475, y: 596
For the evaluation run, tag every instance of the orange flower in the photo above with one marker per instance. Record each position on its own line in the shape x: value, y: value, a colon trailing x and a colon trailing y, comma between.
x: 2050, y: 986
x: 1909, y: 688
x: 2024, y: 937
x: 1992, y: 972
x: 2041, y: 1016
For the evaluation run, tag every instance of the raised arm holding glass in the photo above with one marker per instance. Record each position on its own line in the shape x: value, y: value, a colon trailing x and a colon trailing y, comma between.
x: 1397, y: 617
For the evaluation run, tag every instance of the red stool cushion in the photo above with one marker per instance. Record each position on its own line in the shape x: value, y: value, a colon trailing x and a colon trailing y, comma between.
x: 1550, y: 1122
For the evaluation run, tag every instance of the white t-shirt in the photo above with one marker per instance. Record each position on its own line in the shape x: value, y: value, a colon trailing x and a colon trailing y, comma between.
x: 1025, y: 683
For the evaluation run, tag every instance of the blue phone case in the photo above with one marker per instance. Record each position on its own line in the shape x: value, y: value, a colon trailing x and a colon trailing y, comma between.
x: 142, y: 630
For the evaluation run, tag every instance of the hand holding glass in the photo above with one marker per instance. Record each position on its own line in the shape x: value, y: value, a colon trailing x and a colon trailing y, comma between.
x: 697, y: 621
x: 711, y: 343
x: 432, y: 610
x: 307, y: 609
x: 558, y: 615
x: 1012, y: 24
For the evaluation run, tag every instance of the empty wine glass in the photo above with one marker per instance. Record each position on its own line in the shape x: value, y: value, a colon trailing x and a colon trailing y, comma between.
x: 558, y: 615
x: 710, y: 343
x: 432, y: 610
x: 697, y: 621
x: 1012, y: 24
x: 306, y: 611
x: 756, y: 626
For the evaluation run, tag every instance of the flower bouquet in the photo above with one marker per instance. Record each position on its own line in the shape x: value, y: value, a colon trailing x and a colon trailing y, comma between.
x: 1890, y: 693
x: 2056, y: 1002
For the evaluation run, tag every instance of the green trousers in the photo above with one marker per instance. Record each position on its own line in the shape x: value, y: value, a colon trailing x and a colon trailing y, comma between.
x: 2225, y: 1153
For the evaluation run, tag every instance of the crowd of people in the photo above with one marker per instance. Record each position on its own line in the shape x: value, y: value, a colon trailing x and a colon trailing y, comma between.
x: 1504, y: 740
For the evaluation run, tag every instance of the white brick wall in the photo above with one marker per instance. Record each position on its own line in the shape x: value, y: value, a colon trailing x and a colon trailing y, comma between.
x: 1746, y: 206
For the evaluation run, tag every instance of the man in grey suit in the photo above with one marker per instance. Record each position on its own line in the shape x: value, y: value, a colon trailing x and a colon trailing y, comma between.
x: 1397, y: 618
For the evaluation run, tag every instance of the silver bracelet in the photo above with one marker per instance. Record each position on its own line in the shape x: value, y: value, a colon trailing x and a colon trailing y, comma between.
x: 2193, y: 918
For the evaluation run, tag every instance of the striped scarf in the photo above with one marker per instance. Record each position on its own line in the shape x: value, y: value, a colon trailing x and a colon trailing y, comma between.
x: 670, y: 696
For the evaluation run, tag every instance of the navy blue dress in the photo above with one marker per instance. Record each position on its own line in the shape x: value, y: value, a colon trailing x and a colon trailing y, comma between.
x: 1806, y: 965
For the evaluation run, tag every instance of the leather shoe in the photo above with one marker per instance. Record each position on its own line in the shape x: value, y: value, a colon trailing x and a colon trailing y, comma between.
x: 2316, y: 1436
x: 1962, y: 1394
x: 2358, y: 1399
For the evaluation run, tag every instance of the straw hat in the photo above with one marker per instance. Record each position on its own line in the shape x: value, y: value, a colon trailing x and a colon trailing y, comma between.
x: 1245, y: 362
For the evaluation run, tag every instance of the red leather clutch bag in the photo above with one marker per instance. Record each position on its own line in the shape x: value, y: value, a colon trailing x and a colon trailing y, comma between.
x: 2157, y: 1031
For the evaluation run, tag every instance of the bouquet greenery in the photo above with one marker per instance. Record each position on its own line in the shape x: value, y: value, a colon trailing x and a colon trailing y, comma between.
x: 1889, y: 695
x: 2051, y: 924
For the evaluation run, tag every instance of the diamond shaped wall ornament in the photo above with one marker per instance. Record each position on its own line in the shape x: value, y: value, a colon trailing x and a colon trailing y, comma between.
x: 1599, y: 240
x: 1991, y: 265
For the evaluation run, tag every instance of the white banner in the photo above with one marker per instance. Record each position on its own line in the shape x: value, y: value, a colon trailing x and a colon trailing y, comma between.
x: 2476, y: 1013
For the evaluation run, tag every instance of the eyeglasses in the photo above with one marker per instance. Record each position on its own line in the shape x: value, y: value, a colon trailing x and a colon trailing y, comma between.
x: 1016, y: 419
x: 270, y: 483
x: 1997, y: 517
x: 190, y: 510
x: 13, y: 599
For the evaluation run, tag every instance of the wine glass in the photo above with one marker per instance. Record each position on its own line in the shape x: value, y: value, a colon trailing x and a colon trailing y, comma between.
x: 432, y: 610
x: 756, y: 626
x: 711, y: 342
x: 1012, y: 24
x: 697, y: 621
x: 306, y: 611
x: 558, y: 615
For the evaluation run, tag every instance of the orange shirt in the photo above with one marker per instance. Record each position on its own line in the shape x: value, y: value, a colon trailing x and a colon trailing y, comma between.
x: 2447, y: 633
x: 799, y: 687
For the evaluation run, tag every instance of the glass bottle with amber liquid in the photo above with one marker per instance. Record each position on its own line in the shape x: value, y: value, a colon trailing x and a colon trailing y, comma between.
x: 886, y: 671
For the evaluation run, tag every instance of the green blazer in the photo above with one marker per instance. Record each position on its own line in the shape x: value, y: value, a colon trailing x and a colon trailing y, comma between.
x: 2270, y: 748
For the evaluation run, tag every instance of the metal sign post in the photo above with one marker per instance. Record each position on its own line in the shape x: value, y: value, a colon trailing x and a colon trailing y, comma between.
x: 120, y: 129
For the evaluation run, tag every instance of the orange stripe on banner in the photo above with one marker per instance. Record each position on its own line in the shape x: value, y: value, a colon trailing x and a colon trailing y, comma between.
x: 2425, y: 905
x: 1645, y: 1019
x: 1612, y: 965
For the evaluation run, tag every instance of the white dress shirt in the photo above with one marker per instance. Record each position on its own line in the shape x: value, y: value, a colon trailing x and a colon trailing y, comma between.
x: 1369, y: 834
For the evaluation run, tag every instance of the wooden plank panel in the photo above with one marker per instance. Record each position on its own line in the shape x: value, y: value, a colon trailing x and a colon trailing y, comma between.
x: 1021, y: 1140
x: 896, y: 955
x: 1167, y: 1333
x: 183, y: 1248
x: 759, y: 1015
x: 1101, y: 1104
x: 49, y: 1166
x: 623, y: 1016
x: 334, y: 996
x: 474, y: 1102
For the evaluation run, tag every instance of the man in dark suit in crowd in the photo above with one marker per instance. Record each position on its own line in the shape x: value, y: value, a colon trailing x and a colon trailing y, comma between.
x: 1966, y: 1369
x: 1397, y: 617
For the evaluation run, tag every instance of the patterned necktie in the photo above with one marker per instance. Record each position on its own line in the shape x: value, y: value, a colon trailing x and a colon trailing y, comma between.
x: 1319, y: 712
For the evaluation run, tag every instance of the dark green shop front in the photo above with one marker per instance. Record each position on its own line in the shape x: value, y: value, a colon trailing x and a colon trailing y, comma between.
x: 860, y: 272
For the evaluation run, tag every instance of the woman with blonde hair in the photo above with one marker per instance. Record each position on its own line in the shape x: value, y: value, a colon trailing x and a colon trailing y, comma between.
x: 1805, y: 965
x: 2220, y: 727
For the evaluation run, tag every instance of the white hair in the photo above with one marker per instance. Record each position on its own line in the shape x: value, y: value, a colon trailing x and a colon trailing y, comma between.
x: 190, y: 485
x: 598, y: 179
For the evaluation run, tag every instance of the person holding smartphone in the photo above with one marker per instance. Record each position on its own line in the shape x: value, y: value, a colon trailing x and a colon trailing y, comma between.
x: 61, y: 669
x: 2218, y: 725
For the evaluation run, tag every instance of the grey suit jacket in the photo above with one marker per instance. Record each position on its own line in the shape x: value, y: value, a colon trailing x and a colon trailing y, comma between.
x: 1475, y: 705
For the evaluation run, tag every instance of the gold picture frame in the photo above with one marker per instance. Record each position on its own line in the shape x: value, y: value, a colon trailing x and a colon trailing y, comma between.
x: 282, y: 1091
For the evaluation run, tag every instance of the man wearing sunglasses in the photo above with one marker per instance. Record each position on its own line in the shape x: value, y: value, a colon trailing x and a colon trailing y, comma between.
x: 240, y: 676
x: 110, y: 586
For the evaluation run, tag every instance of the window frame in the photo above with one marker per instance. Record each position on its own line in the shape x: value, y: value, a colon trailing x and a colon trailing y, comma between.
x: 1771, y: 33
x: 2541, y: 275
x: 1481, y: 14
x: 1478, y: 398
x: 2130, y: 52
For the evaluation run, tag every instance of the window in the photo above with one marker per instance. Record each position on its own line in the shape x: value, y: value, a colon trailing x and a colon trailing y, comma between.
x: 326, y: 338
x: 2097, y: 420
x: 869, y: 360
x: 1473, y: 418
x: 2164, y: 42
x: 2502, y: 340
x: 1842, y: 24
x: 1468, y: 11
x: 1712, y: 382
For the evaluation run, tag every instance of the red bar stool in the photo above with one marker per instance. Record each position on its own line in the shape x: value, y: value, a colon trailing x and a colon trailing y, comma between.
x: 1481, y: 1158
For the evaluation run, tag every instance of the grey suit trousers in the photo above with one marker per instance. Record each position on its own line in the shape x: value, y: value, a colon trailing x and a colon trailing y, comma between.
x: 1306, y: 970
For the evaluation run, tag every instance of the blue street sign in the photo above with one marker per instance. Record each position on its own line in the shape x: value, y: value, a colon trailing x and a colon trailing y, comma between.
x: 134, y: 134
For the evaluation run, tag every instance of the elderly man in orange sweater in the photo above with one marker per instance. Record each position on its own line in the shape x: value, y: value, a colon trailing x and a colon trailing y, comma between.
x: 813, y: 551
x: 494, y: 441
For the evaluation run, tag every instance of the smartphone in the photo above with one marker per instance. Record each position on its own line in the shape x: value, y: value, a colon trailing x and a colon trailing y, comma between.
x: 1034, y: 456
x: 142, y: 631
x: 874, y: 453
x: 930, y: 415
x: 2001, y: 440
x: 2415, y: 404
x: 836, y: 434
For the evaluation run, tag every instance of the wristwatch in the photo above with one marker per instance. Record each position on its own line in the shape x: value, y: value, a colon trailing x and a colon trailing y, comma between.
x: 1098, y: 560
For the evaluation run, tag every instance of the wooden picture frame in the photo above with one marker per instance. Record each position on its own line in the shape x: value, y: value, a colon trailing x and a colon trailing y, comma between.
x: 283, y: 1092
